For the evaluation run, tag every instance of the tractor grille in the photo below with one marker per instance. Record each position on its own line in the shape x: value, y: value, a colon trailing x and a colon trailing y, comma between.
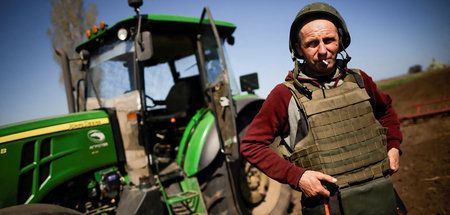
x: 27, y: 154
x: 33, y: 172
x: 25, y: 186
x: 45, y: 147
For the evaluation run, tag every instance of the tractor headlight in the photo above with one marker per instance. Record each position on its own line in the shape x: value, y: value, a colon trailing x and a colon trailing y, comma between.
x: 122, y: 34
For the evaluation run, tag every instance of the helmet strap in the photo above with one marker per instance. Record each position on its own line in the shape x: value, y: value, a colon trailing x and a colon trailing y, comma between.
x: 347, y: 57
x: 293, y: 55
x: 300, y: 87
x: 296, y: 69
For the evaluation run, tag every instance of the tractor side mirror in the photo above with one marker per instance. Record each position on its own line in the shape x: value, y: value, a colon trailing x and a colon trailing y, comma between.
x: 230, y: 40
x: 135, y: 3
x: 144, y: 46
x: 249, y: 82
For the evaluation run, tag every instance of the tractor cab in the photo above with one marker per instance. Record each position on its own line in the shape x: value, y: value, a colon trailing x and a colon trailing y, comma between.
x: 157, y: 72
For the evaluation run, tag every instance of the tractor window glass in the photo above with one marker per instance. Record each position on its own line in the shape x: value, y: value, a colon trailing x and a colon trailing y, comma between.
x: 158, y: 81
x: 213, y: 63
x: 233, y: 84
x: 187, y: 66
x: 111, y: 70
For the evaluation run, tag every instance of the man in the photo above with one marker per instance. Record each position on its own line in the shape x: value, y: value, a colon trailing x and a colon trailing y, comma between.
x: 340, y: 135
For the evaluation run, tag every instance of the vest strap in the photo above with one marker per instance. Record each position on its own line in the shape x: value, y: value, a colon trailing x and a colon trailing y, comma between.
x: 357, y: 77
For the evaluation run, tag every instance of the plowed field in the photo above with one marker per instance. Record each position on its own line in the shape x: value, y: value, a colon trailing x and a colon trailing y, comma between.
x: 423, y: 180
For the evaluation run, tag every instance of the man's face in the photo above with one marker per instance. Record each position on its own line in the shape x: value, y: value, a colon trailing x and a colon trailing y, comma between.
x: 319, y: 41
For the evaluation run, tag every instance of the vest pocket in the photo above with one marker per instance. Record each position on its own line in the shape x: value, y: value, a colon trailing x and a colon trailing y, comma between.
x: 373, y: 197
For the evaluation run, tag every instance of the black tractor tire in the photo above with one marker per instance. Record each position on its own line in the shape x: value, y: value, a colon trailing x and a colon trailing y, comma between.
x: 216, y: 184
x: 216, y: 188
x: 269, y: 197
x: 38, y: 209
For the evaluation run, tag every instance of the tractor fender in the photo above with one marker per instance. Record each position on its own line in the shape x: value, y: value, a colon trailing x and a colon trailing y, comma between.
x: 203, y: 145
x: 243, y: 102
x: 210, y: 149
x: 247, y: 107
x: 244, y: 107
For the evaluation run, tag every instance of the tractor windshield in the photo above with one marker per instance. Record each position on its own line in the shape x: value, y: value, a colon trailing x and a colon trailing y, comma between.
x: 111, y: 70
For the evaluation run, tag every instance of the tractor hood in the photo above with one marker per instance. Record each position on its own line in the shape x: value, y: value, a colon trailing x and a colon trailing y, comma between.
x: 48, y: 125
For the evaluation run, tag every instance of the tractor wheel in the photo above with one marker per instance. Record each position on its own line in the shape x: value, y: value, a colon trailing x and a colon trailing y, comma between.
x: 255, y: 194
x: 261, y: 194
x: 216, y: 188
x: 38, y: 209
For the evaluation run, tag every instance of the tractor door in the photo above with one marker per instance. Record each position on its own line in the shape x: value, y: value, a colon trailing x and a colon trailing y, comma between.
x: 215, y: 80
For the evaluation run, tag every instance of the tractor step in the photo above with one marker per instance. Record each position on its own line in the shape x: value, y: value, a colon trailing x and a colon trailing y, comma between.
x: 181, y: 197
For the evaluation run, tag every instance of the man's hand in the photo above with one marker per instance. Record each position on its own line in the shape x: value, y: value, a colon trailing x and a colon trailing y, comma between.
x: 310, y: 183
x: 394, y: 159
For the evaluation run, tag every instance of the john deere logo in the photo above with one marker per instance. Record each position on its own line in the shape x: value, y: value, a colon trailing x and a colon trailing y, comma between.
x: 96, y: 136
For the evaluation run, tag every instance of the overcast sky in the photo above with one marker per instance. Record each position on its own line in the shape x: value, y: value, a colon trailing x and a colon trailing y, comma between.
x: 387, y: 38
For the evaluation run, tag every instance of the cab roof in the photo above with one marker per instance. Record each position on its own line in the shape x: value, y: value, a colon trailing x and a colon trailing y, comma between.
x: 156, y: 24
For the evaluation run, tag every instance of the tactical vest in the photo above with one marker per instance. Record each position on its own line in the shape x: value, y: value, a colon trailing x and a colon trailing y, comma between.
x: 344, y: 138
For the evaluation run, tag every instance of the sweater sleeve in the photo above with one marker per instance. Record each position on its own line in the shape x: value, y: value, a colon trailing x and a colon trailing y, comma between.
x: 384, y: 112
x: 270, y: 122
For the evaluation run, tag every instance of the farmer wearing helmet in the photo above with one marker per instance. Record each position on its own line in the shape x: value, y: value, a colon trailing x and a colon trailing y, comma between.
x: 339, y: 134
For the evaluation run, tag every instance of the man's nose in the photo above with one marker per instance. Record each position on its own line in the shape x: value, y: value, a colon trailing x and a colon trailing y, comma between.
x: 322, y: 49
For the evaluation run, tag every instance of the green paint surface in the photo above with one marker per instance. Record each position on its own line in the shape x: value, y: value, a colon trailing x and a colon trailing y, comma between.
x: 32, y: 167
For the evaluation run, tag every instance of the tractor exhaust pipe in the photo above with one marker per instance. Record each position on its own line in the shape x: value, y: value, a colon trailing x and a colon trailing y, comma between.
x: 67, y: 78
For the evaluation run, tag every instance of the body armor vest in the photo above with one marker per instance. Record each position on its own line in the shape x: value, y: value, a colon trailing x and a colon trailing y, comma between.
x: 344, y: 139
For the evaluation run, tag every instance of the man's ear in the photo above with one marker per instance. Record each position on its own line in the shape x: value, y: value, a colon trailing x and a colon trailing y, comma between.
x: 298, y: 49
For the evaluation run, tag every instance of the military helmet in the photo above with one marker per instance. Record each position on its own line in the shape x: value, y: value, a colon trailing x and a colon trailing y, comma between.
x: 319, y: 9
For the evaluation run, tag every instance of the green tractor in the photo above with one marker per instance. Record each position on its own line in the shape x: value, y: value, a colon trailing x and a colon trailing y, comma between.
x: 154, y: 128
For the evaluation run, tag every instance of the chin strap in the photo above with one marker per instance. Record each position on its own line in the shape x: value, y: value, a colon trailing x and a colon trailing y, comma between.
x: 347, y: 57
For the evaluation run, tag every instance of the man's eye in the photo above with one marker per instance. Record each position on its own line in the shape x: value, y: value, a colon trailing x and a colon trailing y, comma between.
x: 329, y: 40
x: 312, y: 44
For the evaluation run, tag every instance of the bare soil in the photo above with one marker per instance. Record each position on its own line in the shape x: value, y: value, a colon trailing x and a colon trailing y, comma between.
x: 423, y: 180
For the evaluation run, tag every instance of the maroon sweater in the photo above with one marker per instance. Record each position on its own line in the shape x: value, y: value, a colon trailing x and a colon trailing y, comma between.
x: 272, y: 121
